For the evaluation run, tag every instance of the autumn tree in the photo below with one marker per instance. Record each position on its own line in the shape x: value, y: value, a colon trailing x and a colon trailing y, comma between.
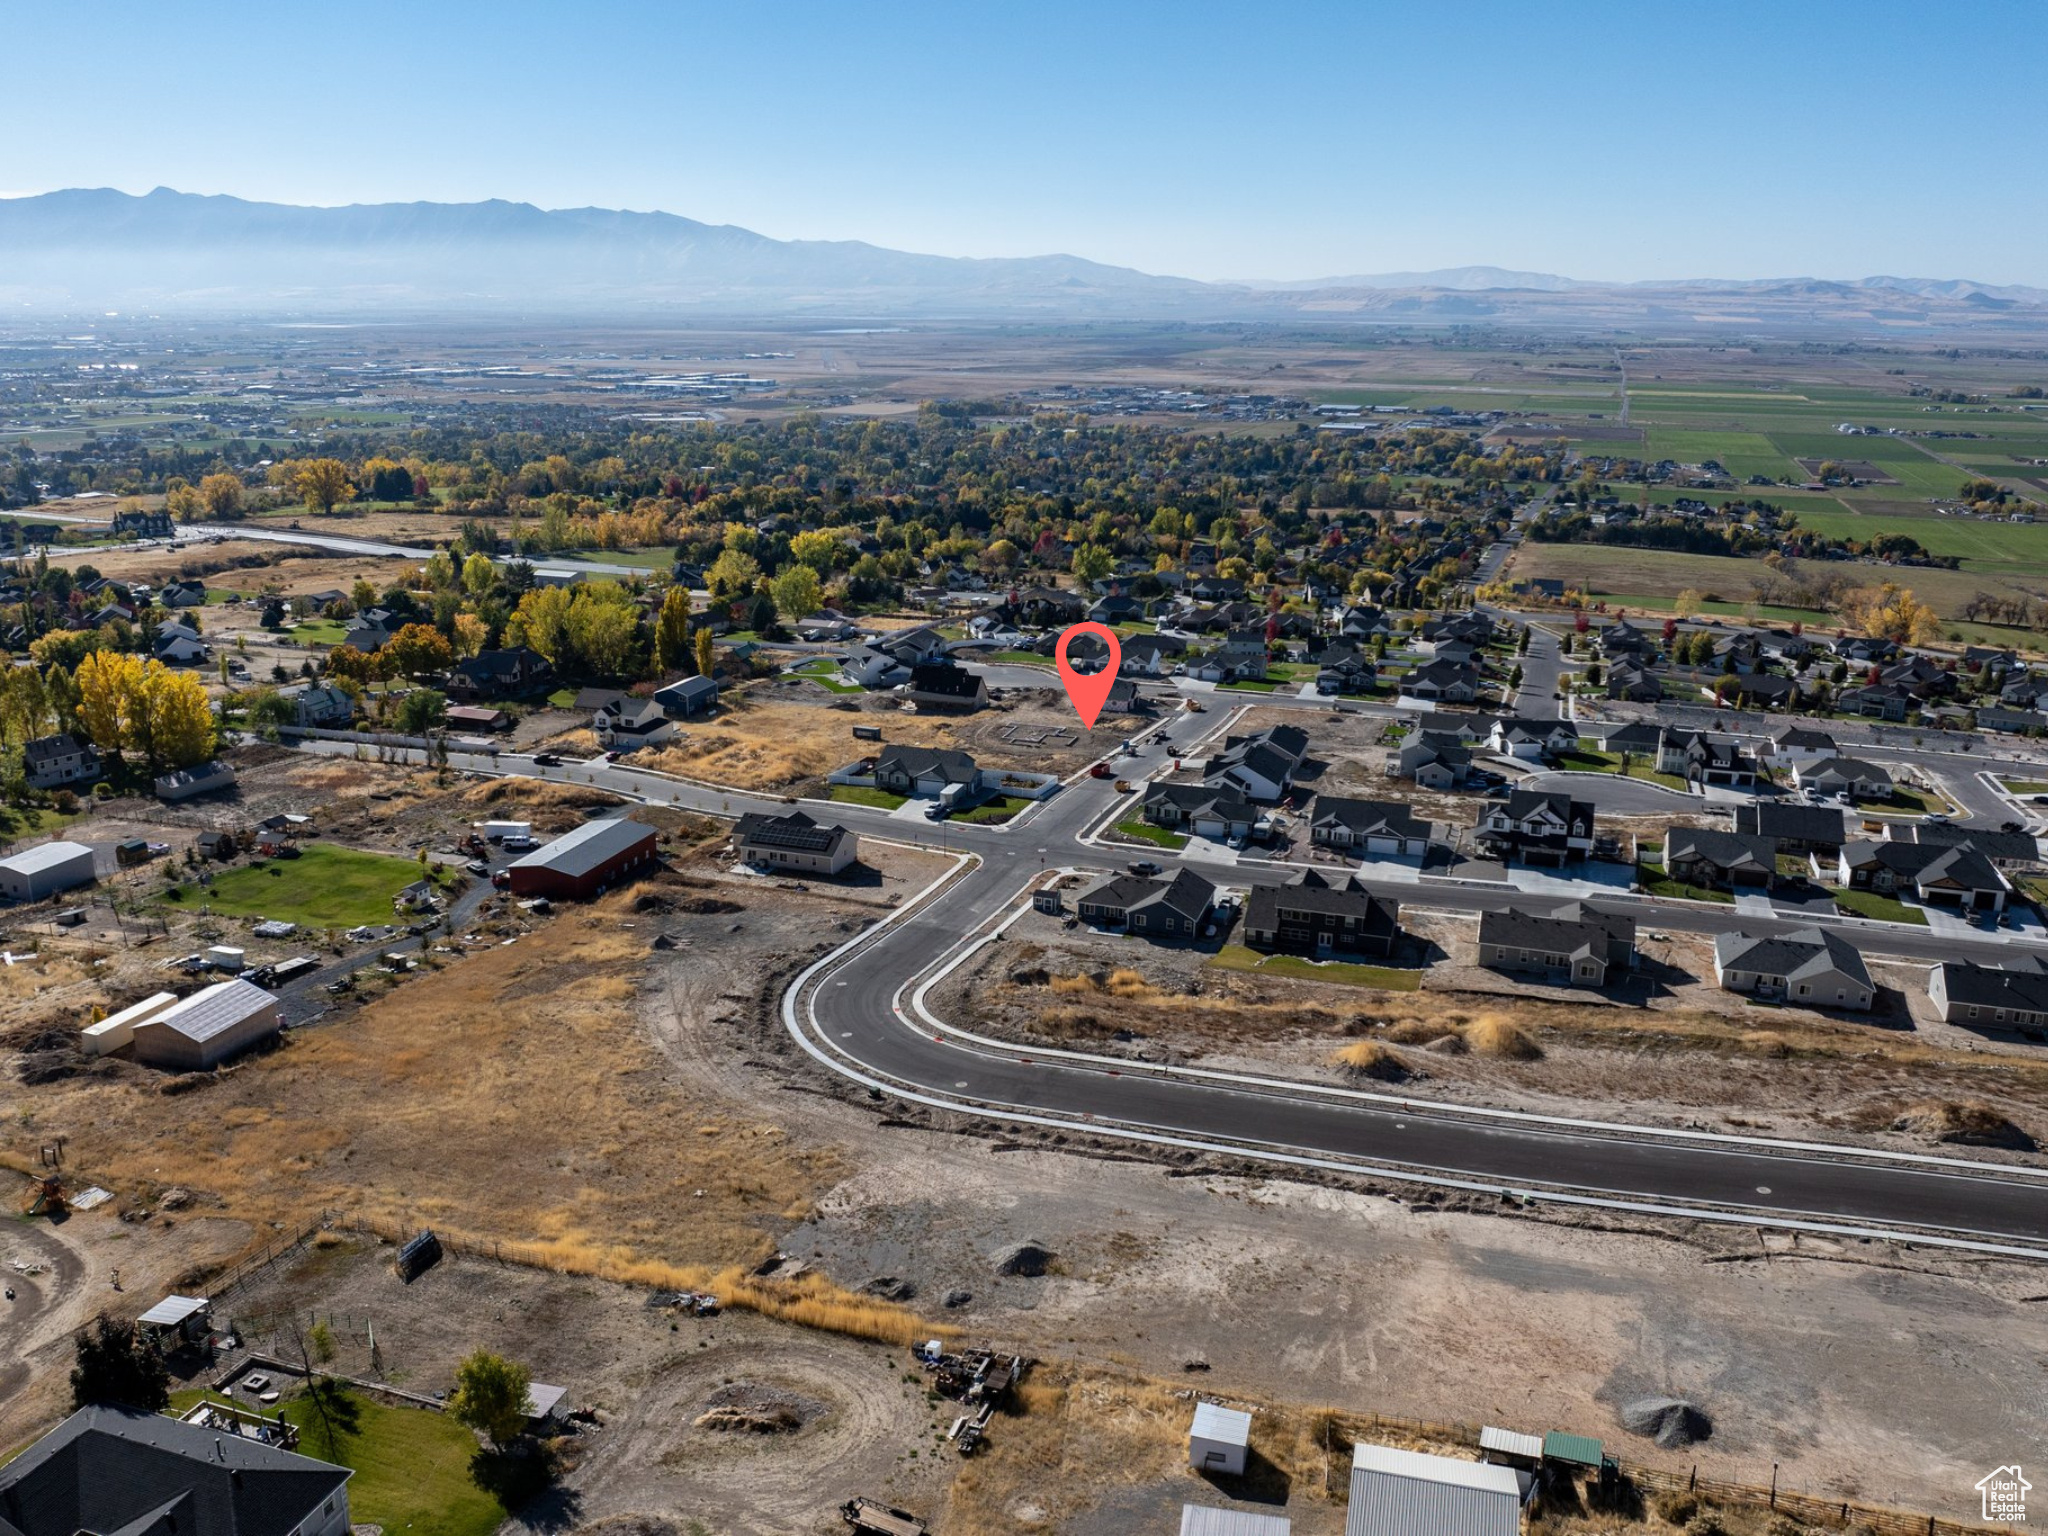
x: 672, y: 631
x: 418, y: 649
x: 491, y: 1396
x: 322, y: 484
x: 222, y: 494
x: 104, y: 680
x: 470, y: 634
x: 478, y: 574
x: 1892, y: 612
x: 706, y: 652
x: 182, y: 500
x: 798, y: 592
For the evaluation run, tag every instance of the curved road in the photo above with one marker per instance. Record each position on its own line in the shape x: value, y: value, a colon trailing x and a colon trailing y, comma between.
x: 859, y: 1012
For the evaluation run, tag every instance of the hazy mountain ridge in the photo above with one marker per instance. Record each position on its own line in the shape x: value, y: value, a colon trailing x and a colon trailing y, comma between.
x: 100, y: 248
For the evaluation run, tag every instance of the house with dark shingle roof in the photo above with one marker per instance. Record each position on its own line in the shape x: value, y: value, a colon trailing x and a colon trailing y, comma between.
x: 2014, y: 996
x: 1957, y: 876
x: 1201, y: 810
x: 1808, y: 966
x: 110, y: 1471
x: 1844, y: 776
x: 1703, y: 856
x: 1156, y: 906
x: 1545, y: 827
x: 1796, y: 828
x: 1314, y: 915
x: 1260, y: 766
x: 949, y: 686
x: 1368, y: 826
x: 908, y: 770
x: 1577, y: 945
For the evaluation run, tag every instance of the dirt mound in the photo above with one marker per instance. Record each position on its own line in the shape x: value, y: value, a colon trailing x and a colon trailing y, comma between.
x: 707, y: 906
x: 1029, y: 1258
x: 1670, y: 1421
x: 890, y: 1288
x: 744, y: 1407
x: 1968, y: 1123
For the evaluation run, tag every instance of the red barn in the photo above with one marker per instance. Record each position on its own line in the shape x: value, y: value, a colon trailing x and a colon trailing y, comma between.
x: 596, y: 856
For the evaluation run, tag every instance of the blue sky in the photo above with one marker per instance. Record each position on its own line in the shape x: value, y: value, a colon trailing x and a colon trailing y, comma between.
x: 1620, y: 141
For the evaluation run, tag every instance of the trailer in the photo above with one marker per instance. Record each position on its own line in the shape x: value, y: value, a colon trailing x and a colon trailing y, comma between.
x: 874, y: 1516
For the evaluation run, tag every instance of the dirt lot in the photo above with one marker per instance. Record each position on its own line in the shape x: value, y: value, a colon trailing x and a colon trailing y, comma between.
x: 646, y: 1374
x: 769, y: 742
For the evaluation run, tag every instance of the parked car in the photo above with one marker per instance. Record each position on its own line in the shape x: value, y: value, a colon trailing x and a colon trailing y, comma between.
x: 477, y: 867
x: 1144, y: 866
x: 547, y: 759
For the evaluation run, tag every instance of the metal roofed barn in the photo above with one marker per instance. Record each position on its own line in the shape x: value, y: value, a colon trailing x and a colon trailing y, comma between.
x: 1197, y: 1520
x: 581, y: 863
x: 1406, y: 1493
x: 208, y: 1027
x: 44, y: 870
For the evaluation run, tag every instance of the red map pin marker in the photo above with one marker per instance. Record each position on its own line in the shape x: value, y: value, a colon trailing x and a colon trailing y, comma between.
x: 1088, y: 690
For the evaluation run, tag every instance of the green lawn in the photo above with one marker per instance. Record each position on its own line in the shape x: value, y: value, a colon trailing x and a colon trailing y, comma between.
x: 325, y: 887
x: 1907, y: 800
x: 640, y: 559
x: 18, y: 821
x: 2026, y: 786
x: 1249, y: 687
x: 1657, y: 883
x: 411, y: 1466
x: 856, y: 794
x: 826, y: 675
x: 319, y: 632
x: 1884, y: 908
x: 1021, y: 658
x: 1591, y: 760
x: 1164, y: 837
x: 1235, y: 957
x: 563, y: 698
x: 1000, y: 809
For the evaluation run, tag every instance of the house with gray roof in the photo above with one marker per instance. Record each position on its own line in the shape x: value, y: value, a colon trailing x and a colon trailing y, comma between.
x: 1812, y: 967
x: 1721, y: 860
x: 1368, y: 826
x: 1577, y: 945
x: 1260, y: 766
x: 114, y: 1471
x: 2012, y: 996
x: 1156, y: 906
x: 1956, y: 875
x: 910, y: 770
x: 1201, y: 810
x: 1313, y: 914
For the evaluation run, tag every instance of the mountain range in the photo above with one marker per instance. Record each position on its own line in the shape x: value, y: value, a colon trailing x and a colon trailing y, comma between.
x: 92, y: 249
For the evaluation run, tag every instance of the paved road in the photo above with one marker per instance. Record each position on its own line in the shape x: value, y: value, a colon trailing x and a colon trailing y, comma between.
x: 1612, y: 795
x: 850, y: 1011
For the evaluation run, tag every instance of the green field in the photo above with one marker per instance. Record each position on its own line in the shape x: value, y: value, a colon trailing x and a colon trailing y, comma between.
x: 319, y: 632
x: 993, y: 812
x: 325, y: 887
x: 412, y: 1465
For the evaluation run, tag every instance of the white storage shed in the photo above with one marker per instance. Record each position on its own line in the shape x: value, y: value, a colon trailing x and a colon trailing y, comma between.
x: 1219, y: 1439
x: 118, y: 1029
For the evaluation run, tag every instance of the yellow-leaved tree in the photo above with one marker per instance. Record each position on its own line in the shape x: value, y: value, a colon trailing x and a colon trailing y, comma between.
x: 128, y: 705
x: 1892, y: 612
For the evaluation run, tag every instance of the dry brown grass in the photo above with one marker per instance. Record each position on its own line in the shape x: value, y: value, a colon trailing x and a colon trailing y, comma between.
x: 1124, y: 983
x: 1494, y: 1035
x: 1369, y: 1058
x: 763, y: 744
x: 513, y: 1093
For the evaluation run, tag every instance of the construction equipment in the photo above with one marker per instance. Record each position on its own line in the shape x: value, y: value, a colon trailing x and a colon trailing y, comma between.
x: 872, y: 1515
x: 968, y: 1430
x: 973, y: 1375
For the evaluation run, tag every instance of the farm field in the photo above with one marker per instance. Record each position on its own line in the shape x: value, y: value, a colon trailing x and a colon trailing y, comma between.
x: 1652, y: 579
x: 2018, y: 548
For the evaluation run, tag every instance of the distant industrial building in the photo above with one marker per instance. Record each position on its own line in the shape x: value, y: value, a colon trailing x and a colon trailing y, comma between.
x: 593, y: 858
x: 44, y: 870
